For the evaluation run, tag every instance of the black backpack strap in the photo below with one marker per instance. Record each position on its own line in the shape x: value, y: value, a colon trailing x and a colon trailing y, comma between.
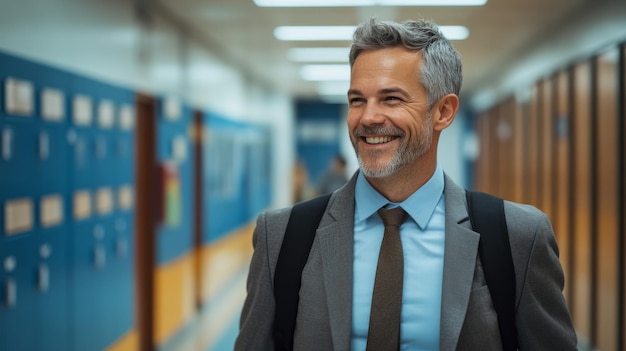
x: 487, y: 217
x: 294, y: 252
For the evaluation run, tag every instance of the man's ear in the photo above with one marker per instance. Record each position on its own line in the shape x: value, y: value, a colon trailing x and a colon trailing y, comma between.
x: 445, y: 111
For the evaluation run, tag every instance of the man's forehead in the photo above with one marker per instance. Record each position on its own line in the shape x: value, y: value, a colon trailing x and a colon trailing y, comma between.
x: 393, y: 50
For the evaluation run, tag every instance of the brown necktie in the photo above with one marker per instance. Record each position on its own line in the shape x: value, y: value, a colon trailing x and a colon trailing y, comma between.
x: 384, y: 328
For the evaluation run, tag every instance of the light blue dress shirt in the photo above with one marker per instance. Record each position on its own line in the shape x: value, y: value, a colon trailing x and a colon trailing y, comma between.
x: 422, y: 236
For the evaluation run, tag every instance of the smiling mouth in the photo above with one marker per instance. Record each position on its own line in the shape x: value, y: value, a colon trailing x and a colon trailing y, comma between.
x: 378, y: 139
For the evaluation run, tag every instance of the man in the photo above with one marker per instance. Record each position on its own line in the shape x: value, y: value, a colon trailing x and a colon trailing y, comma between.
x: 404, y: 90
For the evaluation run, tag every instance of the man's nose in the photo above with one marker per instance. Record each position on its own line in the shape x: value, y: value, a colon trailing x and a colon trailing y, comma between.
x: 372, y: 114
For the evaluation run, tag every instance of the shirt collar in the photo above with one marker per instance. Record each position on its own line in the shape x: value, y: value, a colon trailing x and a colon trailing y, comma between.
x: 420, y: 205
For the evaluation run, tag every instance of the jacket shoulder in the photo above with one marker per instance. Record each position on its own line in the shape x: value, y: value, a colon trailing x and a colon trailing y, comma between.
x: 523, y: 218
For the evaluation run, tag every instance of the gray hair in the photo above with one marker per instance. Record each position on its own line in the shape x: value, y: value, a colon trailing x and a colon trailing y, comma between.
x: 441, y: 71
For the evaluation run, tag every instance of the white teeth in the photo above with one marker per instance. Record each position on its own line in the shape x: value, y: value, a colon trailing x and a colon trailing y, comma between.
x: 378, y: 140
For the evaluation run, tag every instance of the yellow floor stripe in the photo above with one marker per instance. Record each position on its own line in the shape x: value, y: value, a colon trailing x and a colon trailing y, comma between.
x: 224, y: 266
x: 173, y: 297
x: 128, y: 342
x: 224, y: 258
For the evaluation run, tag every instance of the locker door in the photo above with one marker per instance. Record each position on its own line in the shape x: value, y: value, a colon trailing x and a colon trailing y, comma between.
x: 121, y: 220
x: 90, y: 235
x: 622, y: 297
x: 20, y: 325
x: 101, y: 167
x: 33, y: 245
x: 562, y: 177
x: 547, y: 160
x: 533, y: 147
x: 607, y: 209
x: 504, y: 132
x: 53, y: 247
x: 581, y: 146
x: 111, y: 167
x: 517, y: 173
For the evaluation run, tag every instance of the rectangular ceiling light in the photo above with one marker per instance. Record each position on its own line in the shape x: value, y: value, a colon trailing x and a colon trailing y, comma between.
x: 454, y: 32
x: 313, y: 3
x: 347, y: 3
x: 325, y: 72
x: 344, y: 33
x: 304, y: 33
x: 318, y: 54
x: 337, y: 88
x: 430, y: 2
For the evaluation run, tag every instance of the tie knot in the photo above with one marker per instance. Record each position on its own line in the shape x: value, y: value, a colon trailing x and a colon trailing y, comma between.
x: 393, y: 217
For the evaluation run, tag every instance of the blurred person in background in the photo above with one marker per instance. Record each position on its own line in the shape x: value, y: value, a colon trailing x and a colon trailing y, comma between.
x: 335, y: 177
x: 404, y: 87
x: 300, y: 182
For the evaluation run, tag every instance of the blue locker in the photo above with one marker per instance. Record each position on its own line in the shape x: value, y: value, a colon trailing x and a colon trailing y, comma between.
x: 73, y: 276
x: 32, y: 168
x: 88, y: 254
x: 20, y: 325
x: 103, y: 274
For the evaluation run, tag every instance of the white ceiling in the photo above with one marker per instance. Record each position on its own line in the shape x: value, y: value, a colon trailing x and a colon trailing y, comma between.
x: 500, y: 32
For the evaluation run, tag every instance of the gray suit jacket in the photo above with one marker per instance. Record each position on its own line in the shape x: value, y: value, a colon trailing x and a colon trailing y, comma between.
x: 468, y: 320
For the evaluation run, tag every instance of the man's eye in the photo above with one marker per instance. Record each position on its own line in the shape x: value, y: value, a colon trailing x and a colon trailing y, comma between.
x: 392, y: 98
x: 356, y: 101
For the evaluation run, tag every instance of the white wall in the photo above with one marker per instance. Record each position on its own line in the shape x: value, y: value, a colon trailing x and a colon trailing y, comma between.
x: 450, y: 152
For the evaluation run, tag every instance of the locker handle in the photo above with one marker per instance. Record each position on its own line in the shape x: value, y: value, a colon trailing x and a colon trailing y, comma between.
x: 121, y: 247
x: 44, y: 146
x: 7, y: 141
x: 99, y: 257
x: 44, y: 277
x: 10, y: 293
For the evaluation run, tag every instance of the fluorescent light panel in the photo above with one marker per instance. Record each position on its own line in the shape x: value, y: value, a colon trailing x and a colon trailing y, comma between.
x: 325, y: 72
x: 347, y: 3
x: 304, y: 33
x: 344, y: 33
x: 455, y: 32
x: 334, y: 88
x: 318, y: 54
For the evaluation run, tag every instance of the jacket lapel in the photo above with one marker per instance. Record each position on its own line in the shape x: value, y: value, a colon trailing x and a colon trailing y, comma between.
x: 336, y: 238
x: 461, y: 250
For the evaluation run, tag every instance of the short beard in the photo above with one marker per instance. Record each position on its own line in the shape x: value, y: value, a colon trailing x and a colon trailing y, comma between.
x: 405, y: 154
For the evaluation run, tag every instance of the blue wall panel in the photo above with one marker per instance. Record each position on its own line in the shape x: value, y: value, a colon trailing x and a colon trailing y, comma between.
x: 258, y: 184
x: 236, y: 174
x: 317, y: 154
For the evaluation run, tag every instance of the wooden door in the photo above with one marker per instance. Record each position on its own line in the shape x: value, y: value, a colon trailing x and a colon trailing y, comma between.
x: 145, y: 153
